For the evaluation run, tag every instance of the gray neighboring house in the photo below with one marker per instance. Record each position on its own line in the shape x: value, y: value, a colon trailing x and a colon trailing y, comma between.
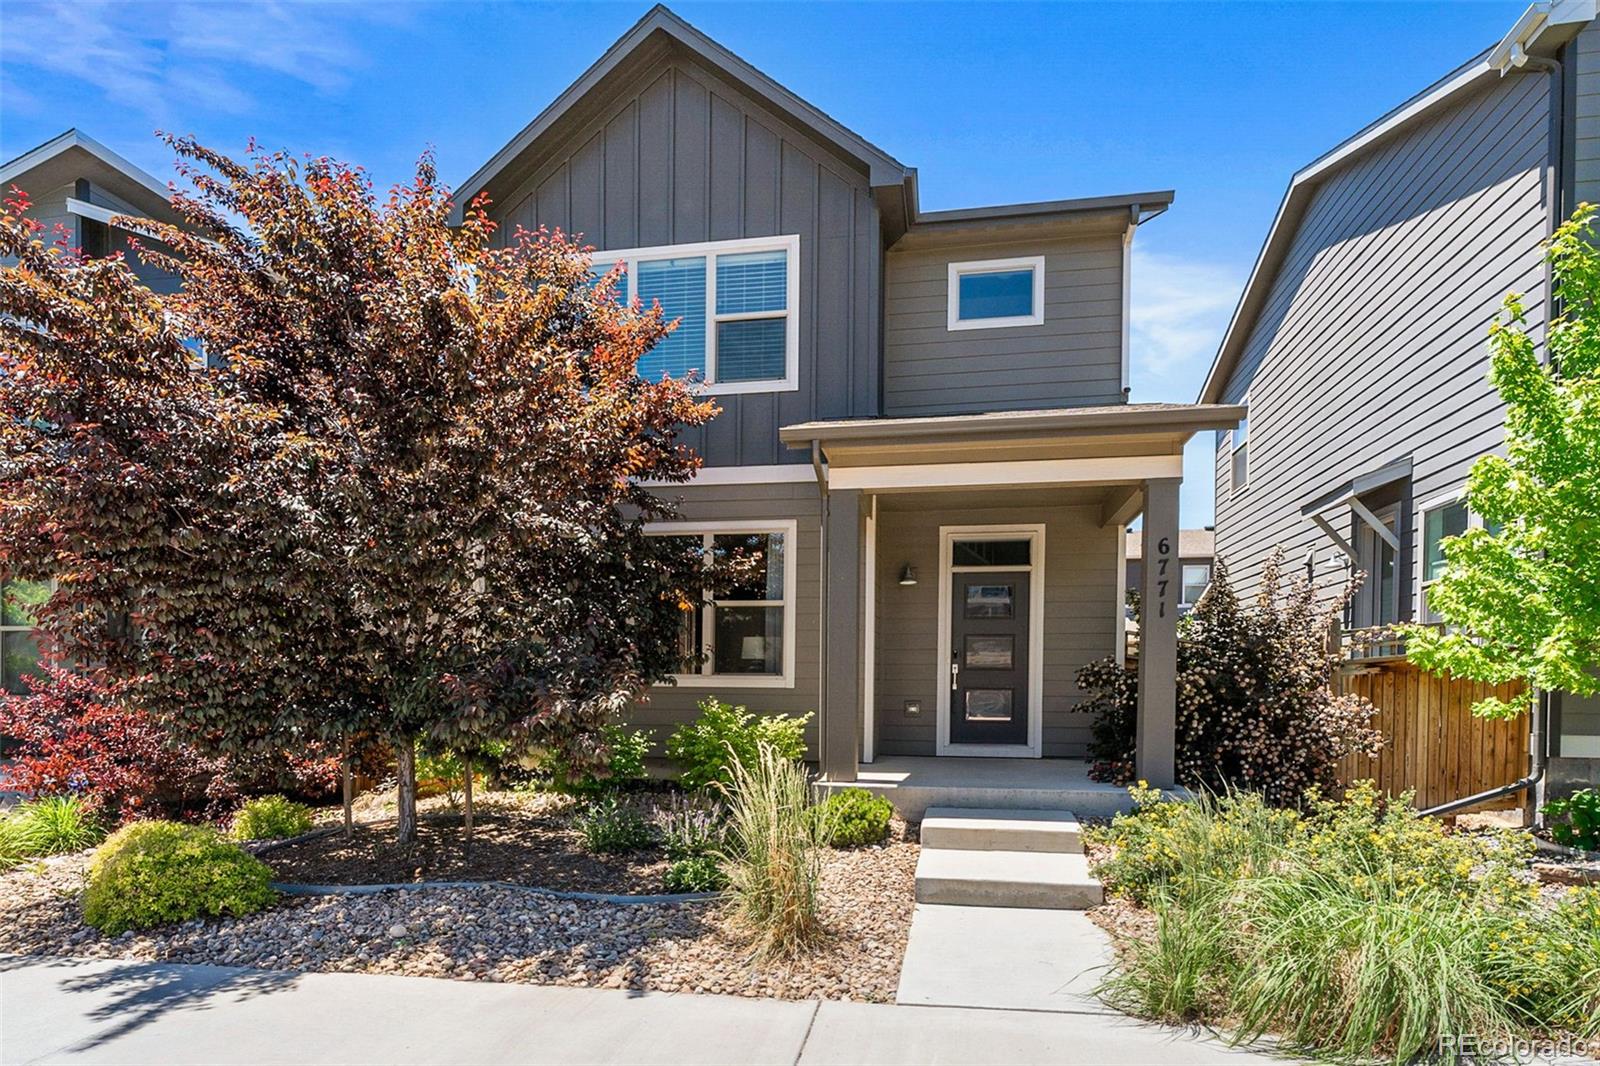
x: 1359, y: 344
x: 1197, y: 549
x: 76, y: 186
x: 925, y: 423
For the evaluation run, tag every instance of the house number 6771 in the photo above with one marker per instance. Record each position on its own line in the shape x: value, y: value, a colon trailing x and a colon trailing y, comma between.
x: 1164, y: 550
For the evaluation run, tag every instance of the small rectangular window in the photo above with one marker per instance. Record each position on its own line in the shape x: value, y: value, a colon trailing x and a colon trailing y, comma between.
x: 1196, y: 576
x: 994, y: 293
x: 1240, y: 445
x: 19, y: 638
x: 991, y: 552
x: 1438, y: 524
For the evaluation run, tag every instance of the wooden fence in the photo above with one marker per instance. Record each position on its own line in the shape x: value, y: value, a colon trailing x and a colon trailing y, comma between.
x: 1432, y: 742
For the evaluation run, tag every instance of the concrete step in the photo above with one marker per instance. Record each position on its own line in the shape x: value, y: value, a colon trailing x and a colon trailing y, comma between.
x: 995, y: 829
x: 1048, y: 880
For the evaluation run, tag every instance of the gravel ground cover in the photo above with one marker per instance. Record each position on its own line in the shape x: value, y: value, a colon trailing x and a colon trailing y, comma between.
x: 504, y: 934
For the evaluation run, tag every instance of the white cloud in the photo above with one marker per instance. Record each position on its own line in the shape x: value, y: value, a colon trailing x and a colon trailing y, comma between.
x: 1180, y: 308
x: 168, y: 59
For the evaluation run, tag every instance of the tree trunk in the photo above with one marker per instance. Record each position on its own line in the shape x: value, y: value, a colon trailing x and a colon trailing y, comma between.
x: 466, y: 807
x: 348, y: 773
x: 405, y: 758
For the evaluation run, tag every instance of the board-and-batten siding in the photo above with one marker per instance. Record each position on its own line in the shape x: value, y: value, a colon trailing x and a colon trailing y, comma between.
x: 1073, y: 357
x: 669, y: 706
x: 682, y: 157
x: 1372, y: 344
x: 1082, y: 598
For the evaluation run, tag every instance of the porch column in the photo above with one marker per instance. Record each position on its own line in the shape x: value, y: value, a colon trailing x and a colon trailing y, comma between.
x: 841, y: 644
x: 1156, y: 757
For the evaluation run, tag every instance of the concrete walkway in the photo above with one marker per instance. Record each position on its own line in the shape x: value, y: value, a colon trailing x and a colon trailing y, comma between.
x: 72, y: 1010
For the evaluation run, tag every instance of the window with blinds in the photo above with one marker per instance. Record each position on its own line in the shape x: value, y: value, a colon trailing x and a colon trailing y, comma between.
x: 735, y: 305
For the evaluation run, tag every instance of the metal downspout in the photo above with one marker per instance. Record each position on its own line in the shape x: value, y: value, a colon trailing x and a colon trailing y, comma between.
x: 1539, y: 725
x: 822, y: 624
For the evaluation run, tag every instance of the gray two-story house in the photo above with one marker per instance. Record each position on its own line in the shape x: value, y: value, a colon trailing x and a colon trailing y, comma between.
x: 924, y: 422
x: 1360, y: 344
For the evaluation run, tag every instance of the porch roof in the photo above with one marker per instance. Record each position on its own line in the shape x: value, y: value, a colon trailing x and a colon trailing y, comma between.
x: 1112, y: 444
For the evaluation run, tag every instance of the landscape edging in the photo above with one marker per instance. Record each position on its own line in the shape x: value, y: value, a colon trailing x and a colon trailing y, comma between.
x: 590, y: 897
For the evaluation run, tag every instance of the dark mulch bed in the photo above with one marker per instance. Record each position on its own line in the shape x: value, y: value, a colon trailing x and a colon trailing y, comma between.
x: 538, y: 849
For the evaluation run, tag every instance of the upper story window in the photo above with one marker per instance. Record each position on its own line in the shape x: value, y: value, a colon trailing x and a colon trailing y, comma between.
x: 1196, y: 576
x: 737, y: 306
x: 1447, y: 518
x: 993, y: 293
x: 1239, y: 447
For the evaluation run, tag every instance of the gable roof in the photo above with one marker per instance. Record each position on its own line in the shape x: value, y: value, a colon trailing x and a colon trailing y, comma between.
x: 72, y: 155
x: 661, y: 24
x: 1543, y: 27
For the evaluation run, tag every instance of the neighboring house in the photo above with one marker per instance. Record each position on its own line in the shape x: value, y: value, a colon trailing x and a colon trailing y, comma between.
x: 1196, y: 553
x: 1360, y: 342
x: 924, y: 421
x: 76, y: 186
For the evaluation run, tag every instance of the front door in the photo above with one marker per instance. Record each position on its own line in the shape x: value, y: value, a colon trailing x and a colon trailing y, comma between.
x: 989, y: 657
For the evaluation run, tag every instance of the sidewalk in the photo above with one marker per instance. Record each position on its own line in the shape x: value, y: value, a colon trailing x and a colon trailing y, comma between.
x: 73, y: 1010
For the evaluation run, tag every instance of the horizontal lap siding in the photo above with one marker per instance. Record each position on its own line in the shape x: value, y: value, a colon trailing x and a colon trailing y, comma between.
x: 667, y: 706
x: 1372, y: 344
x: 1082, y: 591
x: 1584, y: 60
x: 680, y: 156
x: 1074, y: 357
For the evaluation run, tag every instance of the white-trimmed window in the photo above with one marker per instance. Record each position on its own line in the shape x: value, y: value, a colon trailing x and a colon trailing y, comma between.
x: 1441, y: 519
x: 744, y: 633
x: 1196, y: 576
x: 19, y: 633
x: 994, y: 293
x: 1239, y: 454
x: 737, y: 304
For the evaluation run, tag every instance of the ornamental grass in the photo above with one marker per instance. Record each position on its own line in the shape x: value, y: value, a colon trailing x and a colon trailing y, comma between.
x: 1358, y: 930
x: 773, y: 852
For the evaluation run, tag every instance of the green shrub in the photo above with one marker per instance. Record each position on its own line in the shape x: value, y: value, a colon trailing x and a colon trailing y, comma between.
x: 1580, y: 814
x: 773, y: 858
x: 154, y: 873
x: 853, y: 817
x: 1360, y: 929
x: 706, y: 749
x: 610, y: 825
x: 271, y: 818
x: 625, y: 764
x: 53, y: 825
x: 695, y: 873
x: 690, y: 827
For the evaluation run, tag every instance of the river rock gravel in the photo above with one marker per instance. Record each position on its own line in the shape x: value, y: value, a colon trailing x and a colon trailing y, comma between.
x: 504, y: 934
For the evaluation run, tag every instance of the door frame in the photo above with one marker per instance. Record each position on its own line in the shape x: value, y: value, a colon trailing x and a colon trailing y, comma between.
x: 948, y: 535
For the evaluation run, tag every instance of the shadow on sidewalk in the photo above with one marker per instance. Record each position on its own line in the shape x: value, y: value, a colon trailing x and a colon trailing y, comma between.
x: 138, y: 993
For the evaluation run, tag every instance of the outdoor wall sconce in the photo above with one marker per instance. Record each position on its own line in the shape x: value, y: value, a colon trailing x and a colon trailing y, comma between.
x: 908, y: 575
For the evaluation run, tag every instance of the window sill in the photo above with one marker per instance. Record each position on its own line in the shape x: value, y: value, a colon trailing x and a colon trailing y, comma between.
x: 727, y: 681
x: 996, y: 323
x: 736, y: 388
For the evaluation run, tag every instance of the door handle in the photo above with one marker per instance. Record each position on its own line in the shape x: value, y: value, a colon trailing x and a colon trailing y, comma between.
x: 955, y: 669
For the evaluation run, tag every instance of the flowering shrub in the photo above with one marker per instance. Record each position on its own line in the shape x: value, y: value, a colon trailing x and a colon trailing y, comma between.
x: 708, y: 748
x: 1357, y: 928
x: 1255, y: 711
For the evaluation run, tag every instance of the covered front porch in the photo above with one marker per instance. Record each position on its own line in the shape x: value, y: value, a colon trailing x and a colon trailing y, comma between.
x: 971, y: 566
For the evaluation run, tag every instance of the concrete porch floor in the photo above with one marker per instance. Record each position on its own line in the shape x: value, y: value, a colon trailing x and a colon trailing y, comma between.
x: 915, y: 783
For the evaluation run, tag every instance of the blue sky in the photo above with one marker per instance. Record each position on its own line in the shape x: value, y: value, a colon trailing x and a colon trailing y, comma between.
x: 992, y: 103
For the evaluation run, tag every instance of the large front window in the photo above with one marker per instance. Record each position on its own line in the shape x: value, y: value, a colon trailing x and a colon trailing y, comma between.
x: 742, y: 631
x: 736, y: 305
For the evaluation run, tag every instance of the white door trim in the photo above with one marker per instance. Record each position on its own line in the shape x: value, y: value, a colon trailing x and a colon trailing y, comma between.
x: 948, y: 535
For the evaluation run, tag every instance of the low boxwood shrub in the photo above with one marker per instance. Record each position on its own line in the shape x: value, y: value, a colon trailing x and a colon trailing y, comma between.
x: 695, y: 873
x: 853, y: 817
x: 706, y: 749
x: 610, y: 825
x: 155, y: 873
x: 271, y: 818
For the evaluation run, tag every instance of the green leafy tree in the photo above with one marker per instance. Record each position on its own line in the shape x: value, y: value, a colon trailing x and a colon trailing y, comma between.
x: 403, y: 501
x: 1521, y: 597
